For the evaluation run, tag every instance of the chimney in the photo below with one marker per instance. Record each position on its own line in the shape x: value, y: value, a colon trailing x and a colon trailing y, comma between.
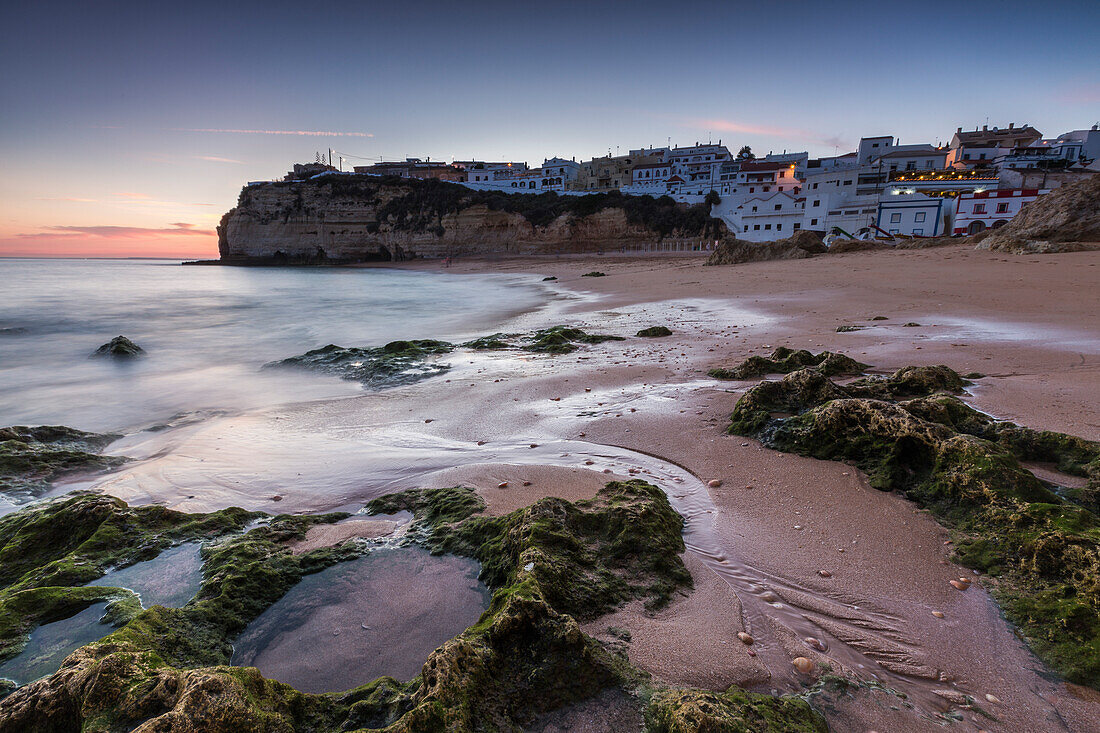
x: 1011, y: 125
x: 985, y: 128
x: 958, y: 130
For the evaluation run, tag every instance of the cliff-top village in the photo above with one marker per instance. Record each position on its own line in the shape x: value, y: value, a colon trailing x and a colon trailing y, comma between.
x: 979, y: 180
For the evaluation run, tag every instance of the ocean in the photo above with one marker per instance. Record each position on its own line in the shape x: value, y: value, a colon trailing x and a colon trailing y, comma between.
x: 209, y: 330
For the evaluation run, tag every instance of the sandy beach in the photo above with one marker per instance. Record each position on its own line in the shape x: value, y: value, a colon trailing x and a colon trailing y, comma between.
x: 518, y: 427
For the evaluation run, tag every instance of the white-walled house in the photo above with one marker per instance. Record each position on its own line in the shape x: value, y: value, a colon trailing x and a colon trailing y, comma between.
x: 770, y: 217
x: 915, y: 215
x: 976, y: 212
x: 650, y: 178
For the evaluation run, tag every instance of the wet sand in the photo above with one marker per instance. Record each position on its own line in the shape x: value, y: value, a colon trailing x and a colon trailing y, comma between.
x: 1028, y: 322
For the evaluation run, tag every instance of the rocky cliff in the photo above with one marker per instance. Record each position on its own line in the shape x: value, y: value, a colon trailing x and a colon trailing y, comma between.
x: 352, y: 218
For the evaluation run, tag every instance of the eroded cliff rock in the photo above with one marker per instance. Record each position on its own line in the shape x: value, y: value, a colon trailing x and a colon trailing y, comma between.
x: 336, y: 219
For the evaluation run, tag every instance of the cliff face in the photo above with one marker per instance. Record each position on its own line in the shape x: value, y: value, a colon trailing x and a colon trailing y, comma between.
x: 336, y: 219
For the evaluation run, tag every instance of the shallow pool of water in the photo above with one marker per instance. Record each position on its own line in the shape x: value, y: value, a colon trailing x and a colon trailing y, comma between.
x: 381, y: 614
x: 51, y: 643
x: 170, y: 579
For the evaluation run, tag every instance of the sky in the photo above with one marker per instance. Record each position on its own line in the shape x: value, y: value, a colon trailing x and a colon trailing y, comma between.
x: 127, y: 128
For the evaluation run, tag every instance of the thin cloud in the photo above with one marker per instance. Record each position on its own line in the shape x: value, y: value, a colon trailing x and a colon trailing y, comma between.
x: 789, y: 133
x: 216, y: 159
x: 66, y: 198
x: 177, y: 229
x: 304, y: 133
x: 132, y: 195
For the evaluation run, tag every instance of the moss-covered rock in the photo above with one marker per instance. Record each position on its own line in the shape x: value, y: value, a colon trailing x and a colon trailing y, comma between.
x: 594, y: 273
x: 785, y: 361
x: 564, y: 339
x: 32, y: 457
x: 395, y: 364
x: 525, y: 656
x: 489, y: 343
x: 119, y: 347
x: 732, y: 711
x: 654, y: 332
x: 1041, y: 543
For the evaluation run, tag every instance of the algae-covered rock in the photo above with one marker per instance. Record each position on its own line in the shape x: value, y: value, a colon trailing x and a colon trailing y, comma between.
x: 594, y: 273
x: 732, y: 711
x: 32, y: 457
x: 654, y: 332
x: 489, y: 343
x: 397, y: 363
x: 785, y: 361
x: 119, y: 347
x: 1040, y: 544
x: 564, y: 339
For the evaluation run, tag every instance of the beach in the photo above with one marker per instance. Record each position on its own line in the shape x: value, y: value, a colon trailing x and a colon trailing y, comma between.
x: 779, y: 546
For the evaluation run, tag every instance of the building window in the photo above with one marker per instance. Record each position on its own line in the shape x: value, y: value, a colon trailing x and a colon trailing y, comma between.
x: 895, y: 218
x: 767, y: 188
x: 797, y: 225
x: 979, y: 208
x: 778, y: 207
x: 919, y: 216
x: 966, y: 156
x: 746, y: 227
x: 1002, y: 208
x: 778, y: 227
x: 813, y: 222
x: 815, y: 186
x: 780, y: 188
x: 752, y: 189
x: 768, y: 226
x: 847, y: 183
x: 918, y: 231
x: 756, y: 227
x: 754, y: 208
x: 817, y: 202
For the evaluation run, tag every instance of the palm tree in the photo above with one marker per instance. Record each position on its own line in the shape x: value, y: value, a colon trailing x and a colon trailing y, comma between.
x: 745, y: 153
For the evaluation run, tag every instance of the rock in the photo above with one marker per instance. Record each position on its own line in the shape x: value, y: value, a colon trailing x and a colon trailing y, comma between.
x: 654, y: 332
x: 991, y: 698
x: 938, y: 614
x: 548, y: 279
x: 502, y: 485
x: 1065, y: 220
x: 119, y: 347
x: 849, y: 329
x: 594, y: 273
x: 731, y: 251
x: 959, y: 585
x: 803, y: 665
x: 824, y: 573
x: 714, y: 483
x: 815, y: 643
x: 526, y: 483
x: 910, y: 324
x: 745, y: 638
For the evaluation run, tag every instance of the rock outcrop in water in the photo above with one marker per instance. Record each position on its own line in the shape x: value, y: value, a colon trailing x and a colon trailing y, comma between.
x: 119, y: 347
x: 32, y: 457
x: 785, y: 361
x: 335, y: 219
x: 908, y: 433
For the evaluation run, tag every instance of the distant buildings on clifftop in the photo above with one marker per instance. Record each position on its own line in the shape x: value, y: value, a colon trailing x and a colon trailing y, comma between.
x: 979, y: 180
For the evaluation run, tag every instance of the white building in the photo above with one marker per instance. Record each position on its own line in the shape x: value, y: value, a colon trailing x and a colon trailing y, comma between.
x: 976, y: 212
x: 771, y: 217
x: 1078, y: 146
x: 650, y: 178
x: 980, y: 148
x: 915, y: 215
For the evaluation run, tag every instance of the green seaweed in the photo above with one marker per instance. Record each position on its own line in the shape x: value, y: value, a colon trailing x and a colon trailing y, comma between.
x: 654, y: 332
x: 1041, y: 546
x: 732, y: 711
x: 397, y: 363
x: 564, y: 339
x: 594, y: 273
x: 785, y: 361
x: 32, y: 457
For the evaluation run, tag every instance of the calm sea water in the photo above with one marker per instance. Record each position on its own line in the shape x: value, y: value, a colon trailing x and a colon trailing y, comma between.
x: 208, y: 330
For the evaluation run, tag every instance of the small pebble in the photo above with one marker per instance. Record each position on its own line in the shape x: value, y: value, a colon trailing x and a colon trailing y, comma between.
x: 815, y: 643
x: 533, y: 445
x: 714, y: 483
x: 502, y: 485
x: 803, y: 665
x: 746, y: 638
x: 991, y: 698
x: 958, y: 585
x: 824, y: 573
x: 276, y: 498
x: 938, y: 614
x: 526, y: 483
x: 428, y: 420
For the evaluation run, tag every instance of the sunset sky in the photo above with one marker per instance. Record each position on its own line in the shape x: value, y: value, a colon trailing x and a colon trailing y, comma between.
x: 127, y: 129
